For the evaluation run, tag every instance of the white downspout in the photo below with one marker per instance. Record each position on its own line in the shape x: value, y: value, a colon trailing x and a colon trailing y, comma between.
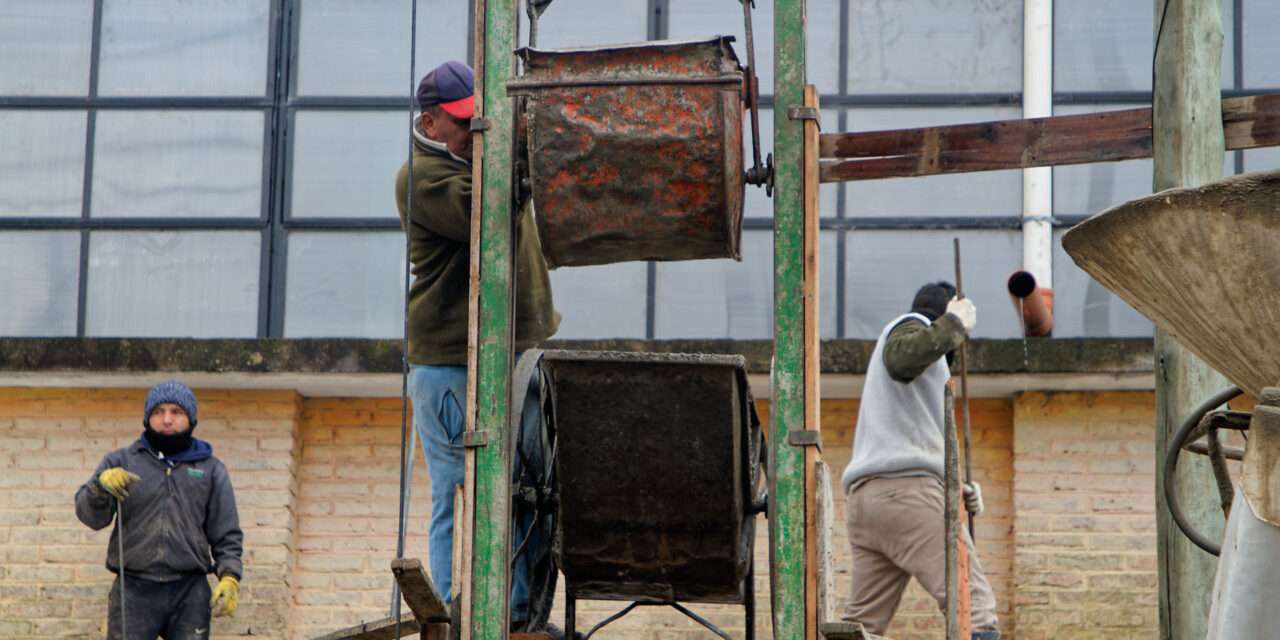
x: 1037, y: 102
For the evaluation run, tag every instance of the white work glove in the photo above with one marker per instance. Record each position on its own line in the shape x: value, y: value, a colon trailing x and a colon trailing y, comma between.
x: 973, y: 498
x: 963, y: 309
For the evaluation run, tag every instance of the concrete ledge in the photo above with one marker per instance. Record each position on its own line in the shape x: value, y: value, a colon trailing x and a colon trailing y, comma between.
x: 350, y: 356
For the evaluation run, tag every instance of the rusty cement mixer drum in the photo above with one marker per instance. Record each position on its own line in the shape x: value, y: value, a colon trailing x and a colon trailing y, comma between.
x: 635, y: 152
x: 658, y: 468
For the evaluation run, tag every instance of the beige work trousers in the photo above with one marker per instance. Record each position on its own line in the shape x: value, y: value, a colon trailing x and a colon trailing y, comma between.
x: 897, y: 530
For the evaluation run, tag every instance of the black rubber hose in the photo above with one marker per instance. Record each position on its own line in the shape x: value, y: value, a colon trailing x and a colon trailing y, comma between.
x: 1171, y: 497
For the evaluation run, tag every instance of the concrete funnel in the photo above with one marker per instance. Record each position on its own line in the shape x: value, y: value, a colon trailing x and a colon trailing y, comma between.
x: 1203, y: 264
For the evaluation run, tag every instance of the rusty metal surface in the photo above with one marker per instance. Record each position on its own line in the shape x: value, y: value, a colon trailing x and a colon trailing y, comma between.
x: 657, y: 466
x: 635, y: 152
x: 1203, y: 264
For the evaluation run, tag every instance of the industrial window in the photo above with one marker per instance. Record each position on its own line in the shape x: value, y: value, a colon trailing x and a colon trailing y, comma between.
x: 260, y: 187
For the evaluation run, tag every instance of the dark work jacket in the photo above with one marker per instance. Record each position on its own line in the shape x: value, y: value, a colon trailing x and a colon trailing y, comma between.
x: 180, y: 517
x: 439, y: 228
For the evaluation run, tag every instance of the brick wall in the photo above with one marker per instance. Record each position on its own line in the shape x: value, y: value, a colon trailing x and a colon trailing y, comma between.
x: 53, y: 582
x: 1067, y: 538
x: 1085, y: 523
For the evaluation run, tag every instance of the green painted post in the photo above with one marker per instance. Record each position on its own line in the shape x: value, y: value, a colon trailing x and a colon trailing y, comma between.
x: 1188, y: 149
x: 787, y: 499
x: 491, y: 533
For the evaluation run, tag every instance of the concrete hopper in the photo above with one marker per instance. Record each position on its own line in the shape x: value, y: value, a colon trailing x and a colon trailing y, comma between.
x: 1203, y: 264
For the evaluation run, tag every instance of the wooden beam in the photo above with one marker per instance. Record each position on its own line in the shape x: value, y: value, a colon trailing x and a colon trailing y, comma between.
x: 812, y: 363
x: 1249, y: 122
x: 416, y: 588
x: 1190, y: 135
x: 384, y: 629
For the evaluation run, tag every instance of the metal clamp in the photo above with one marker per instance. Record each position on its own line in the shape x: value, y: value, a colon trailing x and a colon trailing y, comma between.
x: 804, y: 113
x: 475, y: 439
x: 479, y: 125
x: 805, y: 438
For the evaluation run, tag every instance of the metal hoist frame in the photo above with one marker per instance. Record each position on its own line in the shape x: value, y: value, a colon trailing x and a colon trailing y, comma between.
x: 485, y: 539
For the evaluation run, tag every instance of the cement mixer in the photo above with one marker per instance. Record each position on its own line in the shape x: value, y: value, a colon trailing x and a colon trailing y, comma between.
x: 1204, y: 265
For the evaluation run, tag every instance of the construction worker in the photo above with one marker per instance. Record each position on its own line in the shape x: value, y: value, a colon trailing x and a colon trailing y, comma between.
x: 174, y: 506
x: 894, y: 482
x: 438, y: 223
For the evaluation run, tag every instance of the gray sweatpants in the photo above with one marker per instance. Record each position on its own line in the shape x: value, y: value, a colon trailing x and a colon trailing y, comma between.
x: 897, y: 530
x: 177, y: 610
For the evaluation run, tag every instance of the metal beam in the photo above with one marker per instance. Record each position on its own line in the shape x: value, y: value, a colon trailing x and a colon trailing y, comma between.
x: 787, y: 463
x: 1188, y: 148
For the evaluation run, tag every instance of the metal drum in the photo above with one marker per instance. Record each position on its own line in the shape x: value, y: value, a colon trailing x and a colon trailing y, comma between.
x: 635, y: 152
x: 658, y: 463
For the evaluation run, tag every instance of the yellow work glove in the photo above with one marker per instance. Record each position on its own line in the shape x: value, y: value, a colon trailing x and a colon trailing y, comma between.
x: 225, y: 596
x: 116, y: 481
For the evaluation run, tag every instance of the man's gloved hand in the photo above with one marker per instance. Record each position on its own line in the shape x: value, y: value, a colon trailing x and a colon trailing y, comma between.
x: 963, y: 309
x: 225, y: 596
x: 973, y: 498
x: 116, y: 481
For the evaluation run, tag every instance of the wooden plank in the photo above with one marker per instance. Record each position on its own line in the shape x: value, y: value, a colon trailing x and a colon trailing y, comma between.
x: 959, y: 610
x: 418, y: 591
x: 812, y: 362
x: 846, y: 631
x: 1249, y: 122
x: 826, y: 508
x: 384, y: 629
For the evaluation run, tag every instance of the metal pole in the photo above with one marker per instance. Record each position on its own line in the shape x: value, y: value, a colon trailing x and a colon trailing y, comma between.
x: 120, y: 550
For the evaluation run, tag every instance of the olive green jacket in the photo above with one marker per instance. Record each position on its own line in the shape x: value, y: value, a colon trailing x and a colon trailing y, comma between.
x: 439, y: 229
x: 912, y: 346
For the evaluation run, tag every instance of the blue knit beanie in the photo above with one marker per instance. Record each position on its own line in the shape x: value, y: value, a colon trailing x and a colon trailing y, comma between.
x: 174, y: 392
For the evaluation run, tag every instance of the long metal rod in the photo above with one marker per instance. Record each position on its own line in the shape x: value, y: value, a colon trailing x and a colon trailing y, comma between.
x: 753, y: 92
x: 964, y: 385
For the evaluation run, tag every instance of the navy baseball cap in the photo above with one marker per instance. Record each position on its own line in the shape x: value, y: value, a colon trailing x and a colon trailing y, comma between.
x: 451, y: 86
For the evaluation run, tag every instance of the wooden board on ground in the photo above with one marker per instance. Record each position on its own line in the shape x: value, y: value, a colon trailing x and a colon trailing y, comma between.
x: 384, y: 629
x: 418, y: 591
x: 846, y: 631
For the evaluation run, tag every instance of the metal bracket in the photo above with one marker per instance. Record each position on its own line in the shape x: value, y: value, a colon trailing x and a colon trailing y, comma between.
x: 475, y: 439
x: 805, y: 438
x: 479, y: 125
x: 804, y: 113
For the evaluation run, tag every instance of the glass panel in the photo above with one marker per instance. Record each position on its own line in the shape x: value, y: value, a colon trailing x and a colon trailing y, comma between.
x: 1262, y: 159
x: 589, y: 23
x: 345, y: 285
x: 823, y: 33
x: 885, y: 268
x: 606, y: 301
x: 151, y: 284
x: 362, y: 48
x: 969, y: 194
x: 166, y: 48
x: 1101, y: 45
x: 691, y: 19
x: 178, y: 164
x: 40, y: 286
x: 1086, y: 189
x: 359, y: 181
x: 923, y: 46
x: 1261, y: 46
x: 1084, y: 308
x: 44, y: 47
x: 42, y: 161
x: 755, y: 203
x: 718, y: 298
x: 828, y: 309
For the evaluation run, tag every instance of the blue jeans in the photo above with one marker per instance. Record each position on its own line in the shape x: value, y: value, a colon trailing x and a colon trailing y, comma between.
x: 439, y: 397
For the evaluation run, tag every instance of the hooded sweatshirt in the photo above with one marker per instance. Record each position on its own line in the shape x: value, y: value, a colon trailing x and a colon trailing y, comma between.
x: 439, y: 228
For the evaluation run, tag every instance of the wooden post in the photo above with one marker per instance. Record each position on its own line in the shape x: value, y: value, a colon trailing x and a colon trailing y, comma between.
x: 787, y: 381
x: 486, y: 568
x: 1188, y: 147
x: 812, y: 365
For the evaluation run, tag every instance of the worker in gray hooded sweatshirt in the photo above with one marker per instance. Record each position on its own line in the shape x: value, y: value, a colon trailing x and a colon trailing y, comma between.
x: 180, y: 524
x: 894, y: 482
